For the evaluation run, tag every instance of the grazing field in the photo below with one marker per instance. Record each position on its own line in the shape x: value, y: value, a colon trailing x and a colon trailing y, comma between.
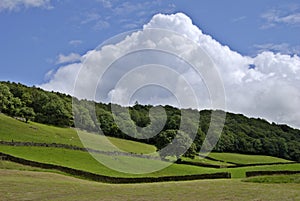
x: 246, y: 159
x: 24, y: 185
x: 275, y: 179
x: 35, y: 132
x: 84, y: 161
x: 80, y: 160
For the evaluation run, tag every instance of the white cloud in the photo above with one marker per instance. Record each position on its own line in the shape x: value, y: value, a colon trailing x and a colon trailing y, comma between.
x: 238, y: 19
x: 96, y: 20
x: 17, y: 4
x: 284, y: 48
x: 72, y: 57
x: 63, y: 79
x: 274, y: 17
x: 106, y: 3
x: 270, y: 89
x: 134, y: 13
x: 75, y: 42
x: 101, y: 24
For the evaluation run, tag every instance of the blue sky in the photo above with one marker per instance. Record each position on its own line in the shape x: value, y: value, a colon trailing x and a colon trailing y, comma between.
x: 38, y: 36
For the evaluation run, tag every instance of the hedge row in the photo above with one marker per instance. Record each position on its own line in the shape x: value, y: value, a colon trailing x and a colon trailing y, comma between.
x: 115, y: 180
x: 262, y: 173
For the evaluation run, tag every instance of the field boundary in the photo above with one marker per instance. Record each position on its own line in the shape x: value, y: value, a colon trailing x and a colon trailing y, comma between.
x: 273, y: 172
x: 113, y: 180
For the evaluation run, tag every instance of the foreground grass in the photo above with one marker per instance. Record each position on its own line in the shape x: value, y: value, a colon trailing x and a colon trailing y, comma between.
x: 24, y: 185
x: 275, y: 179
x: 15, y: 130
x: 246, y: 159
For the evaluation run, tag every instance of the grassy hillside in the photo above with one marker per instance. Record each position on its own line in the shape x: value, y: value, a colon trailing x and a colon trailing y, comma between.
x: 240, y: 134
x: 246, y: 159
x: 83, y: 161
x: 24, y: 185
x: 35, y: 132
x: 206, y: 161
x: 15, y: 130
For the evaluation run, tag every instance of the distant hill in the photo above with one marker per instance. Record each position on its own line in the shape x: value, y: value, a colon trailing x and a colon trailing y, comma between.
x: 240, y: 134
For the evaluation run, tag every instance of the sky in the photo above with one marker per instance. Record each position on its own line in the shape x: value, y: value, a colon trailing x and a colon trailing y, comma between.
x: 255, y: 46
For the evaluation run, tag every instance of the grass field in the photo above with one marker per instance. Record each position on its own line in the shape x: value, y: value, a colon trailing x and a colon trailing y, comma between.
x: 21, y: 182
x: 83, y: 161
x: 24, y: 185
x: 279, y: 179
x: 35, y: 132
x: 8, y: 165
x: 15, y: 130
x: 207, y: 161
x: 246, y: 159
x: 240, y: 172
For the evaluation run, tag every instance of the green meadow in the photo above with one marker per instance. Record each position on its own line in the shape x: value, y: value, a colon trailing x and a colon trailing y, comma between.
x: 22, y: 182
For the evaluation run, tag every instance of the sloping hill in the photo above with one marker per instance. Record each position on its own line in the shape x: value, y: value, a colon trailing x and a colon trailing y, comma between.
x: 240, y: 134
x: 14, y: 130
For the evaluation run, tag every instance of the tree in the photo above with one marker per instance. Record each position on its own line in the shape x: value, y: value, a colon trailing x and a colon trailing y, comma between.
x: 182, y: 144
x: 5, y: 98
x: 27, y: 113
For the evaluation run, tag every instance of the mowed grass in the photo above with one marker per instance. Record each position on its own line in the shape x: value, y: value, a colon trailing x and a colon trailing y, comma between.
x: 84, y: 161
x: 15, y: 130
x: 24, y: 185
x: 246, y: 159
x: 275, y: 179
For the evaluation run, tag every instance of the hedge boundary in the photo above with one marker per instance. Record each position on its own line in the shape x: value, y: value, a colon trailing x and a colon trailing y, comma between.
x: 263, y: 173
x: 113, y: 180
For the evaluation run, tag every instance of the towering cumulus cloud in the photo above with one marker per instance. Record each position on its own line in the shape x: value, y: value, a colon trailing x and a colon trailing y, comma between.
x: 266, y: 85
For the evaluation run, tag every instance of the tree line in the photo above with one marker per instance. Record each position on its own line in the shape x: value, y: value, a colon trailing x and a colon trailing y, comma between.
x: 240, y: 133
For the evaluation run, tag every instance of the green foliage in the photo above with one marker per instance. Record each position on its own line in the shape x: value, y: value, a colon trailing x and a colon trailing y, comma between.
x: 27, y: 113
